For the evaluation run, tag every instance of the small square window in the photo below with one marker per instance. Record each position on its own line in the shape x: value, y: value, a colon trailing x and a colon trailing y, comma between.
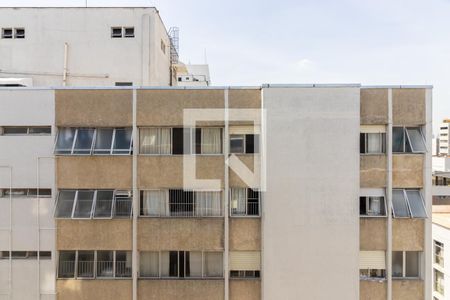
x: 116, y: 32
x: 7, y: 33
x: 129, y: 32
x: 19, y: 33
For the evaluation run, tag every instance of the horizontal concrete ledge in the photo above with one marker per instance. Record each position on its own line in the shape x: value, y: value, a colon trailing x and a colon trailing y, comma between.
x: 413, y: 86
x: 313, y: 85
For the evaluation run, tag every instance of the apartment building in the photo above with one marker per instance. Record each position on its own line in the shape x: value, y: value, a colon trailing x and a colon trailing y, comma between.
x: 78, y: 46
x: 444, y: 132
x: 269, y: 192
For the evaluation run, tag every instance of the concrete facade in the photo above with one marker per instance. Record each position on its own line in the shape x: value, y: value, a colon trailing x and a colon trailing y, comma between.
x: 91, y: 57
x: 311, y: 175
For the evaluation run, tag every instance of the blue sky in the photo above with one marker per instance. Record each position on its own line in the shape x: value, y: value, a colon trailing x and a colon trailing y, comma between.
x: 288, y: 41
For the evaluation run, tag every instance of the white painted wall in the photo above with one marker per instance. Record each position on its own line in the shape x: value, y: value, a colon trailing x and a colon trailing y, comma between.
x: 91, y: 50
x: 32, y: 221
x: 310, y: 218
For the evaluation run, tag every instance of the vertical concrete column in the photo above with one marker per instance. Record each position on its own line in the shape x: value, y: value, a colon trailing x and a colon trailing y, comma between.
x: 145, y: 50
x: 428, y: 247
x: 135, y: 198
x: 389, y: 198
x: 226, y: 144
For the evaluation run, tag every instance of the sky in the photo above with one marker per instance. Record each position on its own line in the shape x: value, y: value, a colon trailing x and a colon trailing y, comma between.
x: 400, y: 42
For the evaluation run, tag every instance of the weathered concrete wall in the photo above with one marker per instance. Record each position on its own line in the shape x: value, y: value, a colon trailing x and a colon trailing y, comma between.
x: 156, y: 234
x: 244, y: 98
x: 93, y: 234
x: 245, y: 234
x: 165, y: 107
x: 407, y: 289
x: 372, y: 171
x: 408, y: 106
x: 407, y: 170
x: 93, y: 172
x: 167, y: 171
x: 172, y: 289
x: 70, y: 289
x: 249, y: 160
x: 372, y: 290
x: 245, y: 289
x: 407, y: 234
x: 374, y: 106
x: 91, y: 108
x: 372, y: 234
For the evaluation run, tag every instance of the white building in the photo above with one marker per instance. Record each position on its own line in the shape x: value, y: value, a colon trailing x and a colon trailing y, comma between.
x: 85, y: 46
x: 26, y: 220
x: 444, y: 132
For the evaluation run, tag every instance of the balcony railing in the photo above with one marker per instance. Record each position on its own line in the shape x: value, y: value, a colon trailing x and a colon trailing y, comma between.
x: 105, y: 269
x: 123, y: 269
x: 250, y: 209
x: 85, y: 269
x: 66, y: 269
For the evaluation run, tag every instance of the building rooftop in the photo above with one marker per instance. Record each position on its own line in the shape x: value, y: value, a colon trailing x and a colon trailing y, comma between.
x: 441, y: 215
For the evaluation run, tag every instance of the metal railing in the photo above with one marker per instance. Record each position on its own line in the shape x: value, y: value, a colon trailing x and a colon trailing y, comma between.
x: 66, y: 269
x: 85, y: 268
x: 105, y: 269
x: 123, y: 207
x: 123, y: 269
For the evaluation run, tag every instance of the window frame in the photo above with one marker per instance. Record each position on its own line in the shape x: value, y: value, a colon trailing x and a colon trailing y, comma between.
x: 159, y: 142
x: 9, y: 37
x: 93, y: 142
x: 407, y: 139
x: 127, y: 35
x: 17, y: 35
x: 404, y: 272
x: 366, y: 143
x: 441, y: 255
x: 367, y: 199
x: 410, y: 213
x: 246, y: 215
x: 116, y: 36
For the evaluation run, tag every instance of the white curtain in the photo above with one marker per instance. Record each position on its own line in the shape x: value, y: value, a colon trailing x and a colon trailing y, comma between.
x: 213, y: 264
x: 211, y: 141
x: 165, y: 263
x: 165, y: 141
x: 374, y: 205
x: 208, y: 203
x: 238, y: 201
x: 154, y: 203
x: 149, y: 264
x: 374, y: 143
x: 149, y: 141
x: 195, y: 263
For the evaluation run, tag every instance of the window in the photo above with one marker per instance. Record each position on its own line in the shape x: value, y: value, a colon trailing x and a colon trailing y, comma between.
x: 244, y: 202
x: 406, y: 264
x: 129, y: 32
x: 181, y: 264
x: 155, y: 140
x: 94, y: 264
x: 105, y: 264
x: 372, y: 206
x: 408, y: 203
x: 24, y: 255
x: 123, y: 201
x: 19, y: 33
x: 438, y: 251
x: 101, y: 141
x: 245, y: 264
x: 24, y: 130
x: 149, y: 264
x: 408, y: 139
x: 439, y: 283
x: 30, y: 193
x: 116, y: 32
x: 7, y: 33
x: 244, y: 143
x: 372, y: 143
x: 124, y: 84
x: 123, y: 264
x: 97, y: 204
x: 208, y: 140
x: 372, y: 264
x: 181, y: 141
x: 179, y: 203
x: 4, y: 254
x: 85, y: 266
x: 66, y: 265
x: 45, y: 254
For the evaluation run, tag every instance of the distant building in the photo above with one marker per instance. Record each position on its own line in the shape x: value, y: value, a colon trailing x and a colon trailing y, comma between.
x: 444, y: 133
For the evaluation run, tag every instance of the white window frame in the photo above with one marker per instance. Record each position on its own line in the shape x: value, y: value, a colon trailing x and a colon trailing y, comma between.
x: 406, y: 138
x: 368, y: 204
x: 19, y: 36
x: 94, y: 139
x: 124, y: 33
x: 419, y: 267
x: 246, y: 215
x: 410, y: 214
x: 159, y: 142
x: 116, y: 28
x: 4, y: 36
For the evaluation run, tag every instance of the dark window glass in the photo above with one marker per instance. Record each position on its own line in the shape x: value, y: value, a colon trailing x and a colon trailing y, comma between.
x: 252, y: 202
x: 362, y: 143
x: 15, y: 130
x: 198, y: 140
x: 362, y: 205
x: 398, y: 139
x: 173, y: 264
x: 180, y: 137
x: 181, y: 203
